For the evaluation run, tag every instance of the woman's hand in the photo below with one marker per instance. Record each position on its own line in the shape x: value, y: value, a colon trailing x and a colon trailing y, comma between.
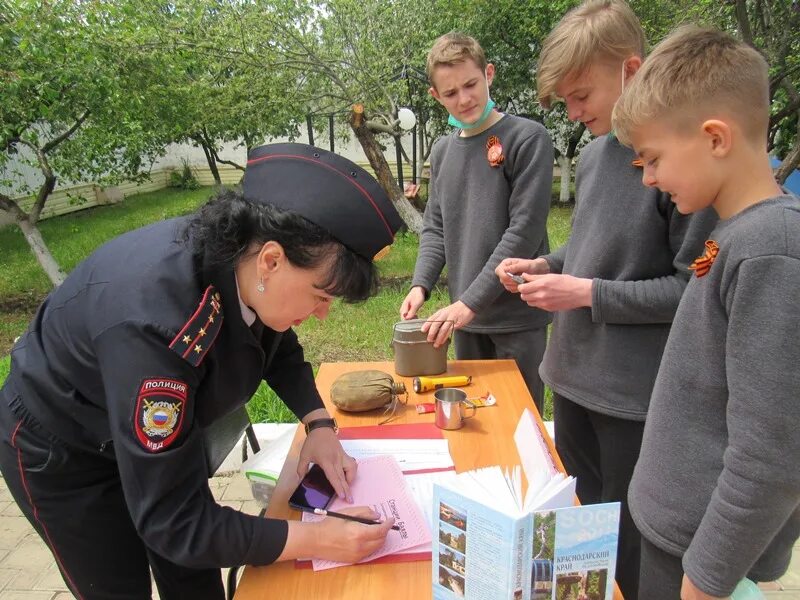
x: 519, y: 266
x: 346, y: 541
x: 322, y: 447
x: 336, y: 539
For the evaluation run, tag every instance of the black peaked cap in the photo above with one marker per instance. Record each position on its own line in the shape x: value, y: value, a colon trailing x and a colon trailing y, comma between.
x: 325, y: 188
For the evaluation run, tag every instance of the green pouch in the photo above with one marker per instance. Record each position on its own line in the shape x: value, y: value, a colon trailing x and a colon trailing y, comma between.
x: 360, y: 391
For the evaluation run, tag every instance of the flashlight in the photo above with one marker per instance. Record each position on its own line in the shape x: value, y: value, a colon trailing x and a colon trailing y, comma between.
x: 426, y: 384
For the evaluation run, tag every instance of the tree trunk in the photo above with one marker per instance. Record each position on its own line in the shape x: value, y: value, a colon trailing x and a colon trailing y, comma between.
x: 34, y: 238
x: 411, y: 216
x: 212, y: 163
x: 565, y: 166
x: 422, y: 152
x: 789, y: 163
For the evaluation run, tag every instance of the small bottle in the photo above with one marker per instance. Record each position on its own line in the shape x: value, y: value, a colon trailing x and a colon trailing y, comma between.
x: 747, y: 590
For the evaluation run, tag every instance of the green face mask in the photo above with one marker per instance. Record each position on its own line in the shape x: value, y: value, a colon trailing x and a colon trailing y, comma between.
x: 484, y: 115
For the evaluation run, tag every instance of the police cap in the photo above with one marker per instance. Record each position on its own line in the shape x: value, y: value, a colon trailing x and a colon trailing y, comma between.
x: 328, y: 190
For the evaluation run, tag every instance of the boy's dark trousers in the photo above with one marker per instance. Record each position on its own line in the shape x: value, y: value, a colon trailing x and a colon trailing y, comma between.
x: 601, y: 451
x: 526, y: 347
x: 74, y: 501
x: 661, y: 574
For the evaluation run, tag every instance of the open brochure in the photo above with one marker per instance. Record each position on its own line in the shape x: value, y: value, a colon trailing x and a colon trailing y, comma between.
x: 490, y: 541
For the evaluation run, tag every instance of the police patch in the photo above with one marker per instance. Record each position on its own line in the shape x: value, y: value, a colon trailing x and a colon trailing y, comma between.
x: 159, y: 412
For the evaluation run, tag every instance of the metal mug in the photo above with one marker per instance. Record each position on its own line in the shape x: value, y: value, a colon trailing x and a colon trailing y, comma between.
x: 451, y: 408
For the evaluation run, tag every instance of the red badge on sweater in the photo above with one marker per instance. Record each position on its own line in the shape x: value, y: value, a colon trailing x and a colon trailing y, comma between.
x: 702, y: 264
x: 494, y: 151
x: 159, y: 412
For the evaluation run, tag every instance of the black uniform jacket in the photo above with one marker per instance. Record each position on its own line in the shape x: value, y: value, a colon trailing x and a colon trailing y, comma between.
x: 142, y: 347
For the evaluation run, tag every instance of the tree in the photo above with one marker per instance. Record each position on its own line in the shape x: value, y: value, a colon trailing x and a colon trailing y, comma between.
x: 82, y: 119
x: 342, y: 54
x: 568, y: 139
x: 769, y: 26
x: 209, y: 97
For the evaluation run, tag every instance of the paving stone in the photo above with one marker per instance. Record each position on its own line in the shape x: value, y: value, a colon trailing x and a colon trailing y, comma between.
x: 6, y: 577
x: 251, y: 507
x: 791, y: 580
x: 5, y: 495
x: 786, y: 595
x: 11, y: 534
x: 25, y: 595
x: 10, y: 509
x: 770, y: 586
x: 234, y: 504
x: 50, y: 580
x: 238, y: 489
x: 31, y: 554
x: 63, y: 596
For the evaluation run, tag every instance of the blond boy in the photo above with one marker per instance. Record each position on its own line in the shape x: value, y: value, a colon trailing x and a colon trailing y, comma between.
x: 716, y: 492
x: 615, y: 285
x: 489, y: 198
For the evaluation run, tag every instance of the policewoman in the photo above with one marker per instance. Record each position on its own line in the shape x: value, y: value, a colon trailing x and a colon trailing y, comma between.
x: 159, y: 334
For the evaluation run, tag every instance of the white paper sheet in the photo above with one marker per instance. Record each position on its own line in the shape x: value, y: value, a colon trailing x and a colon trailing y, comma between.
x: 410, y: 454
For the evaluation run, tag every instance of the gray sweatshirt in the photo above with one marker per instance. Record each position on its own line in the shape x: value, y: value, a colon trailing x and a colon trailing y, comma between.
x: 477, y: 215
x: 719, y: 472
x: 636, y: 247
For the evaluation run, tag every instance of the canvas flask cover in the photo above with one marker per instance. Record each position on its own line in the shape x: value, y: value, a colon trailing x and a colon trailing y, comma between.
x: 359, y: 391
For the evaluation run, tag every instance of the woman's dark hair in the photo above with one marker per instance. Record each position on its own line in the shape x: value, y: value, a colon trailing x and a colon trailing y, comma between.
x: 226, y: 227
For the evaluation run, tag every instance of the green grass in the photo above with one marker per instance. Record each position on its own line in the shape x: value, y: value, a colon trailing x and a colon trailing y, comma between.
x: 73, y: 237
x: 350, y: 333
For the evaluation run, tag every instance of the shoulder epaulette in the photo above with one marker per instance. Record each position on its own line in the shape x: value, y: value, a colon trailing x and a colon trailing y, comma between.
x: 196, y: 337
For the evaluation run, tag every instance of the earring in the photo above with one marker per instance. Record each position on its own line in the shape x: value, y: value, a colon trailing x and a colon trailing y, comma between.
x: 260, y: 286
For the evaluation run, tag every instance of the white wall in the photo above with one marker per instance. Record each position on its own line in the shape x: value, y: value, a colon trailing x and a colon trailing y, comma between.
x: 22, y: 174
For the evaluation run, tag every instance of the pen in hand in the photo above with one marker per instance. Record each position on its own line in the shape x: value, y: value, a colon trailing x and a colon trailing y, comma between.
x: 329, y: 513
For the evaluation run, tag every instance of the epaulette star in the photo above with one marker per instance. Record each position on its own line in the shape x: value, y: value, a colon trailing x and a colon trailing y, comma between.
x: 201, y: 323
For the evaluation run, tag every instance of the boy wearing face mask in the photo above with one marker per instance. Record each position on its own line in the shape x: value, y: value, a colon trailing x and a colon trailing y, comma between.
x: 615, y: 285
x: 489, y: 197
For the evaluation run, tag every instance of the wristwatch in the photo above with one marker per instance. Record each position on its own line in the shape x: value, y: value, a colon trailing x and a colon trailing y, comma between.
x: 317, y: 423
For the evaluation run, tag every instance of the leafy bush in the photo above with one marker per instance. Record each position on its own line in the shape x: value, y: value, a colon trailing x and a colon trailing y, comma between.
x: 184, y: 179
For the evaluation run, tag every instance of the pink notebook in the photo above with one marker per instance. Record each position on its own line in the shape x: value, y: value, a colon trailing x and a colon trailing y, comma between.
x: 380, y: 484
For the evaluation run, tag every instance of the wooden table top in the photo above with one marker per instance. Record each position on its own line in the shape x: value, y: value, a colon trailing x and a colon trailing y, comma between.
x: 485, y: 440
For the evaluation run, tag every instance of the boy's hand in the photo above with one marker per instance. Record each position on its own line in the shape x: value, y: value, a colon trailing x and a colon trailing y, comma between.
x: 690, y: 591
x: 556, y: 292
x: 519, y: 266
x: 446, y: 320
x: 412, y: 302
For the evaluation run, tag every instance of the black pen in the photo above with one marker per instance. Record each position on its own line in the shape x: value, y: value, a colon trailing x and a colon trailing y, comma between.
x: 329, y: 513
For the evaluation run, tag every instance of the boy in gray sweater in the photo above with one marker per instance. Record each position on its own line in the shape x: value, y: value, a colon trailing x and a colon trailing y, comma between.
x: 716, y: 491
x: 615, y: 285
x: 489, y: 198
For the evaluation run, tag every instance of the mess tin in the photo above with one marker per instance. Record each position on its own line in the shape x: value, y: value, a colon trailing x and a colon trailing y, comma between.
x: 413, y: 354
x: 451, y: 408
